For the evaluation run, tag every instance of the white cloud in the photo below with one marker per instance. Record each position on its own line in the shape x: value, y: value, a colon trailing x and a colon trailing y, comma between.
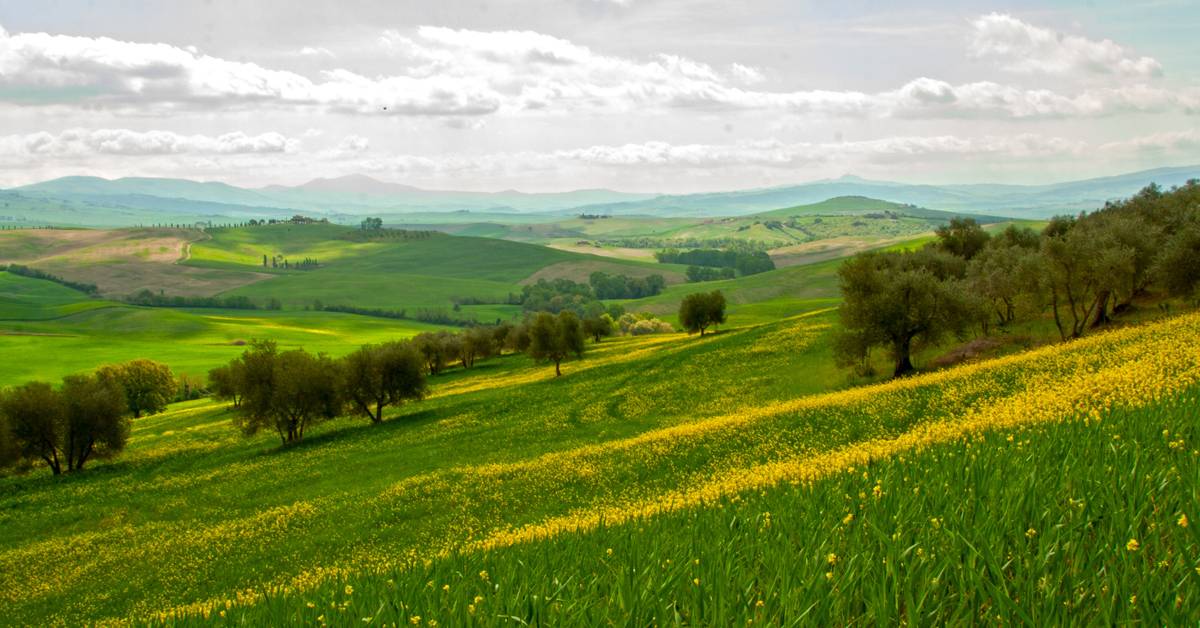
x: 1023, y: 47
x: 746, y: 74
x: 38, y: 68
x: 83, y: 142
x: 1169, y: 141
x: 316, y: 51
x: 455, y: 72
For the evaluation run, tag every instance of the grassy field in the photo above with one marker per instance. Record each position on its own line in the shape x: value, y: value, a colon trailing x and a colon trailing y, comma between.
x: 58, y: 331
x: 660, y: 426
x: 857, y: 219
x: 417, y: 273
x: 1029, y: 525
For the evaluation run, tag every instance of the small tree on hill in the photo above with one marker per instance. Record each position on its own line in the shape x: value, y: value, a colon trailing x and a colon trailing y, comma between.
x: 148, y: 386
x: 377, y: 376
x: 63, y: 428
x: 702, y: 310
x: 97, y: 426
x: 476, y: 343
x: 36, y: 421
x: 599, y: 326
x: 895, y: 299
x: 963, y: 237
x: 554, y: 338
x: 286, y: 392
x: 433, y: 349
x: 224, y: 381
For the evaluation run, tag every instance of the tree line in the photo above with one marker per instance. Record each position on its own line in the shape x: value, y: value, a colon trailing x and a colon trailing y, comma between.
x: 149, y: 298
x: 289, y: 391
x: 1080, y: 271
x: 33, y: 273
x: 744, y: 261
x: 85, y: 418
x: 560, y: 294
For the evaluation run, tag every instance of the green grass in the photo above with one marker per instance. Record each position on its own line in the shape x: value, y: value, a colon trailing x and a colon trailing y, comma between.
x: 194, y: 513
x: 24, y: 298
x: 837, y: 217
x: 56, y: 331
x: 1026, y: 526
x: 390, y: 274
x: 795, y: 284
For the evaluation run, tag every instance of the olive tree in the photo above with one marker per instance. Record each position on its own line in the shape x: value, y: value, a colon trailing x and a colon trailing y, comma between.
x: 286, y: 392
x: 599, y: 326
x: 148, y: 385
x: 225, y: 381
x: 64, y: 428
x: 702, y: 310
x: 377, y: 376
x: 554, y: 338
x: 962, y: 237
x: 896, y: 299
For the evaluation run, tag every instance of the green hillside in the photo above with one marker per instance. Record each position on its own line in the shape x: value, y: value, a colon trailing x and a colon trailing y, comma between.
x: 866, y: 220
x: 418, y: 272
x: 57, y: 331
x: 669, y: 425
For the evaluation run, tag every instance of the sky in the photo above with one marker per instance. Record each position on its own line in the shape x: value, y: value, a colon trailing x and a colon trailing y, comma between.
x: 667, y: 96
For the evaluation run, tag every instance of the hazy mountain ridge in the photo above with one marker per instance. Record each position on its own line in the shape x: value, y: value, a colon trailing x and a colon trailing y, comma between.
x: 356, y: 195
x: 1024, y: 201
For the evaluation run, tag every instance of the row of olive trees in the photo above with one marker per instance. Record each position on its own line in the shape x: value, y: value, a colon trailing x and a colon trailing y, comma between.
x: 289, y: 391
x: 86, y: 418
x: 1079, y: 271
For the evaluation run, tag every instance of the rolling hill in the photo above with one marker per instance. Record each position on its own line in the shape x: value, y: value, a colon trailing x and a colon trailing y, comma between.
x: 793, y: 493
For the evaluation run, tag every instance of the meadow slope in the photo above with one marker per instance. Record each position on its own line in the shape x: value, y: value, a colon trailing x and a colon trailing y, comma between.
x: 195, y: 520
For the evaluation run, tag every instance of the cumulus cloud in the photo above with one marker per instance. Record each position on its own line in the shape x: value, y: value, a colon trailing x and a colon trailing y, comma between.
x: 537, y: 72
x: 82, y: 142
x: 1023, y: 47
x: 39, y: 68
x: 746, y: 74
x: 455, y: 72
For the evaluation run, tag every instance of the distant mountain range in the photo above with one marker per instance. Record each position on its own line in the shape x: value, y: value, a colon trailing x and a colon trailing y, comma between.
x: 135, y: 200
x: 1018, y: 201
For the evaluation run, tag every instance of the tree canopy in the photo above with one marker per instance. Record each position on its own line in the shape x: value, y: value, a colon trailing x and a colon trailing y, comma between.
x: 555, y: 337
x: 896, y: 299
x: 148, y: 385
x: 286, y: 392
x: 377, y: 376
x: 64, y: 428
x: 702, y: 310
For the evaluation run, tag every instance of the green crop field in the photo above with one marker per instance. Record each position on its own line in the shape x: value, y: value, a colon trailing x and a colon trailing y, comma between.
x: 417, y: 273
x: 57, y: 331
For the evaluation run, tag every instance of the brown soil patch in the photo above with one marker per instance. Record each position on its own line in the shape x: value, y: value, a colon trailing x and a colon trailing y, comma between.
x: 645, y: 255
x: 122, y: 261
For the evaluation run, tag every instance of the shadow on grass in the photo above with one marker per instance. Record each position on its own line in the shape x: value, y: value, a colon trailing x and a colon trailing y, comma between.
x: 358, y: 430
